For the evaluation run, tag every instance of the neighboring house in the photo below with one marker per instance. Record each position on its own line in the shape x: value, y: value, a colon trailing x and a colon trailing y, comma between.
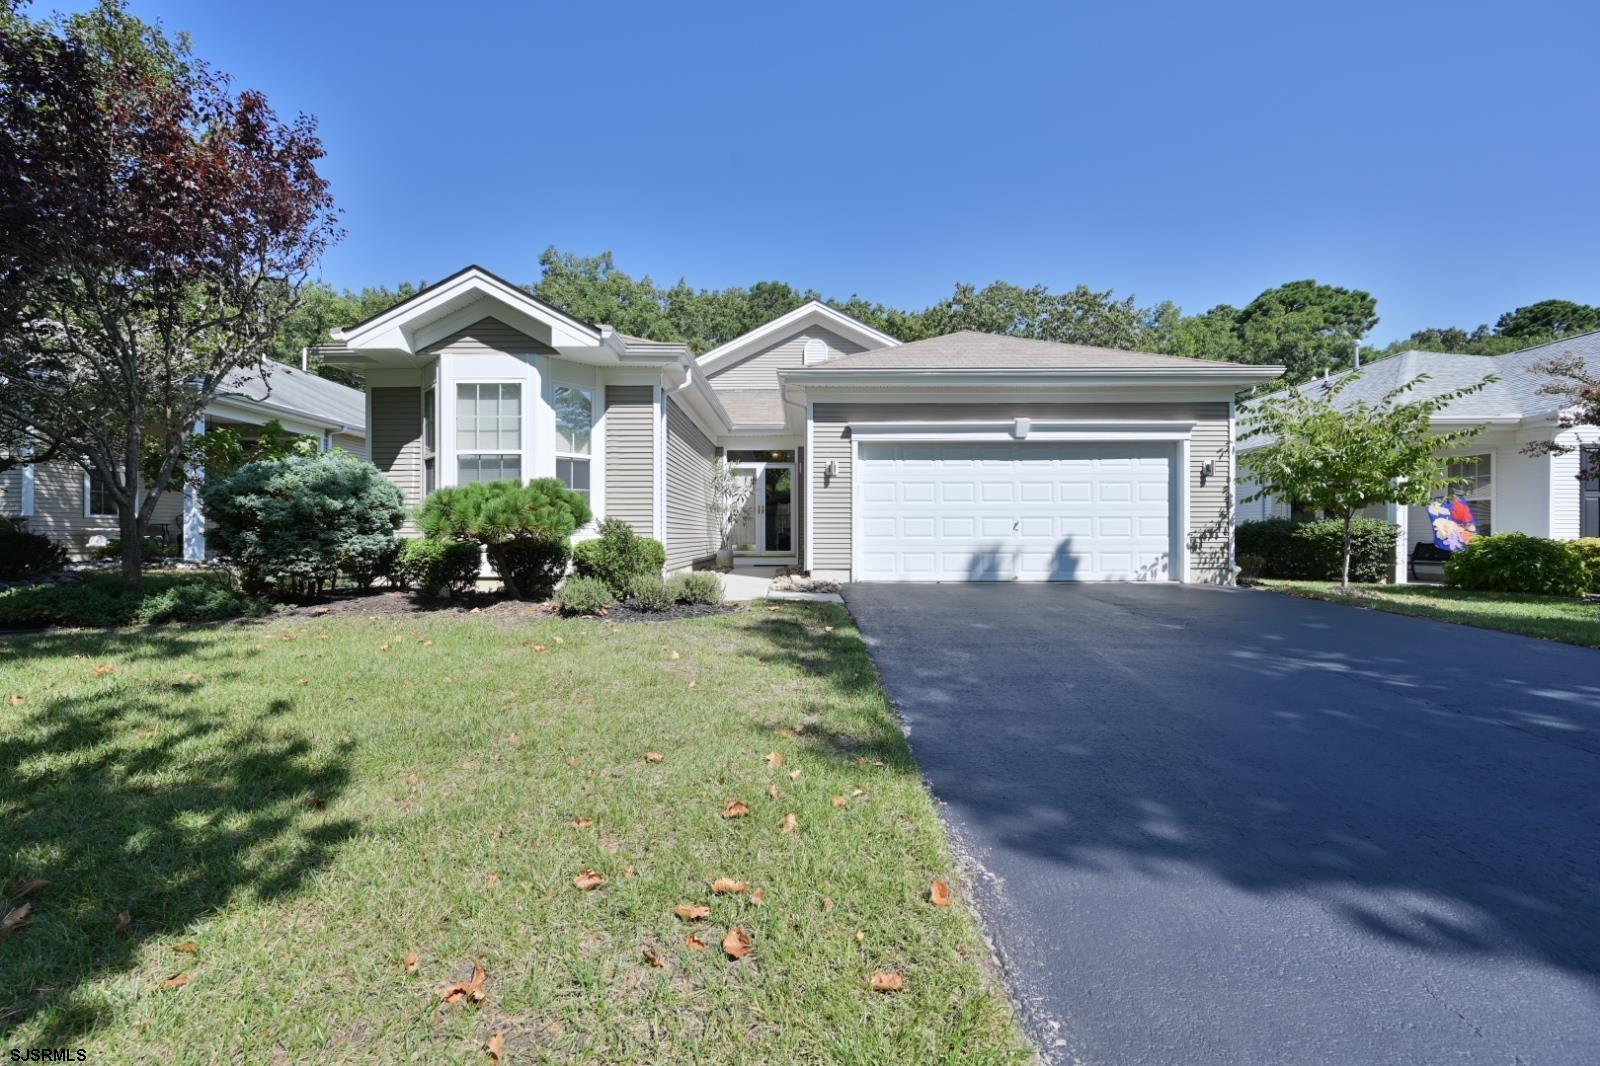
x: 62, y: 501
x: 1508, y: 490
x: 964, y: 457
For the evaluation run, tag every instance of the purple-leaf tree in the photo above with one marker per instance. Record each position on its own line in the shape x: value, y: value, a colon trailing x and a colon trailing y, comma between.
x: 155, y: 229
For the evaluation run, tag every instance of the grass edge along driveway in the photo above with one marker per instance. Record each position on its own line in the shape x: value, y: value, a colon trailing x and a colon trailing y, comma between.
x: 285, y: 840
x: 1560, y: 618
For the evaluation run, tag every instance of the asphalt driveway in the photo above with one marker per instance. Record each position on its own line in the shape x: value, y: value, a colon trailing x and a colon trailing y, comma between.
x: 1218, y: 826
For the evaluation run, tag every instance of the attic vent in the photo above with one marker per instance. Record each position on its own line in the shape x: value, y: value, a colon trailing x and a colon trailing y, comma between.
x: 815, y: 352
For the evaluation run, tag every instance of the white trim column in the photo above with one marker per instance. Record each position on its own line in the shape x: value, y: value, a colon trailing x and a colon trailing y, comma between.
x: 1400, y: 515
x: 194, y: 517
x: 25, y: 494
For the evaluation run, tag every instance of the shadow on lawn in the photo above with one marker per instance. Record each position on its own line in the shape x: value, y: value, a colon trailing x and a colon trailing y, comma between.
x: 164, y: 807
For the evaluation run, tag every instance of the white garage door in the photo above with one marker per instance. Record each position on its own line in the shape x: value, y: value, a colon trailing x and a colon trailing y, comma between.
x: 1040, y: 511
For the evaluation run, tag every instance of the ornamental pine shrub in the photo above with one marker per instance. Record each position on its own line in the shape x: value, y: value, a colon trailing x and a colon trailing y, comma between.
x: 524, y: 529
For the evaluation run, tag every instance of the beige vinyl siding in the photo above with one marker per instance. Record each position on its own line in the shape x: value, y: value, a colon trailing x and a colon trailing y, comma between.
x: 630, y: 455
x: 760, y: 370
x: 58, y: 509
x: 351, y: 443
x: 396, y: 436
x: 489, y: 336
x: 1209, y: 503
x: 691, y: 527
x: 11, y: 491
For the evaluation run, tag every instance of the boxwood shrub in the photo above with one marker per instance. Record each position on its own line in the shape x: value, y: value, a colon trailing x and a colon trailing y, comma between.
x: 438, y: 567
x: 1589, y: 548
x: 617, y: 555
x: 1516, y: 562
x: 100, y: 600
x: 27, y: 555
x: 1313, y: 551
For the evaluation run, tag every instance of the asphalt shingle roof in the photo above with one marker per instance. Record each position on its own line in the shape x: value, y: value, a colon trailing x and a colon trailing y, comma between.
x: 289, y: 387
x: 970, y: 350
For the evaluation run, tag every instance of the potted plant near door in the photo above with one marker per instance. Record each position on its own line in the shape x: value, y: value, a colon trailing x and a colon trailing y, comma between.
x: 730, y: 495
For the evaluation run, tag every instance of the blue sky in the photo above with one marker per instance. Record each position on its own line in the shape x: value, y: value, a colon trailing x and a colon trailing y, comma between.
x: 1441, y: 155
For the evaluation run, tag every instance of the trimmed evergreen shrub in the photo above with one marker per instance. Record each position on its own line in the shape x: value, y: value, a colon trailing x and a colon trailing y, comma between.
x: 438, y: 567
x: 647, y: 592
x: 366, y: 557
x: 1516, y: 562
x: 1313, y: 551
x: 28, y: 555
x: 100, y: 600
x: 696, y: 587
x: 288, y: 523
x: 617, y: 555
x: 585, y: 595
x: 504, y: 516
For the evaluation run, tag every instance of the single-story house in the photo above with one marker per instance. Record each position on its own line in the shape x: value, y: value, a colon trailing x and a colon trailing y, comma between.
x: 62, y: 501
x: 964, y: 457
x: 1508, y: 490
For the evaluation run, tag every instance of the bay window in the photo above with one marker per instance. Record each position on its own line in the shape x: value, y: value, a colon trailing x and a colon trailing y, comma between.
x: 574, y: 433
x: 488, y: 432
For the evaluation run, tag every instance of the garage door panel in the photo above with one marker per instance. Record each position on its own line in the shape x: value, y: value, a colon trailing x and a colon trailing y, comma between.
x: 1035, y: 511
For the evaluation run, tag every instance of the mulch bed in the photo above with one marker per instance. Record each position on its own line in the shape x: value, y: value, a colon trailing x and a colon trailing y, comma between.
x: 487, y: 605
x: 622, y: 613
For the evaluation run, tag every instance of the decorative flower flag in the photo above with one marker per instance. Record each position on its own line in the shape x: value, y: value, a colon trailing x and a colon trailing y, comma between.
x: 1453, y: 525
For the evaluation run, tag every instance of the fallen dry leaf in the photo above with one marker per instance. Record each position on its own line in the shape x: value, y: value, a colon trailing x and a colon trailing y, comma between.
x: 653, y: 756
x: 540, y: 647
x: 736, y: 809
x: 14, y: 918
x: 30, y: 887
x: 413, y: 962
x: 17, y: 699
x: 177, y: 980
x: 737, y: 944
x: 827, y: 905
x: 491, y: 879
x: 589, y: 879
x: 383, y: 647
x: 939, y: 894
x: 413, y: 780
x: 514, y: 738
x: 774, y: 760
x: 759, y: 896
x: 794, y: 775
x: 694, y: 943
x: 839, y: 801
x: 784, y: 734
x: 790, y: 824
x: 496, y: 1047
x: 653, y: 957
x: 691, y: 913
x: 772, y: 790
x: 124, y: 922
x: 558, y: 640
x: 188, y: 947
x: 581, y: 823
x: 102, y: 671
x: 427, y: 644
x: 470, y: 991
x: 724, y: 886
x: 887, y: 981
x: 674, y: 656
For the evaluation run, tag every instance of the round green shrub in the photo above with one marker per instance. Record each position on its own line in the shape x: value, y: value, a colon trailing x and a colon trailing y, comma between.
x: 366, y: 557
x: 534, y: 564
x: 438, y: 567
x: 585, y: 595
x: 1589, y: 549
x: 647, y: 592
x: 28, y: 555
x: 287, y: 523
x: 1312, y: 551
x: 1516, y: 562
x: 617, y: 555
x: 696, y: 587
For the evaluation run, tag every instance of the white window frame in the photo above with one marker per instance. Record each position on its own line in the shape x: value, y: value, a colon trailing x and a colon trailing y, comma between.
x: 88, y: 500
x: 430, y: 427
x: 558, y: 451
x: 521, y: 451
x: 1485, y: 462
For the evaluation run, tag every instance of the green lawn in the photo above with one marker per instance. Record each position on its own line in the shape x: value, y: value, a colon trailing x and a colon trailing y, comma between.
x: 306, y: 803
x: 1553, y: 617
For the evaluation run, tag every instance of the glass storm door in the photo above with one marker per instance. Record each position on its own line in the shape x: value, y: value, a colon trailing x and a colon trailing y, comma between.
x: 766, y: 526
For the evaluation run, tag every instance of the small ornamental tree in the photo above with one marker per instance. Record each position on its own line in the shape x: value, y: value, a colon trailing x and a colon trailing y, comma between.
x: 1573, y: 381
x: 523, y: 528
x: 1344, y: 460
x: 730, y: 494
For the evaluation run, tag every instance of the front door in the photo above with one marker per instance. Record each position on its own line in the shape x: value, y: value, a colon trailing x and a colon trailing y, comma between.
x: 766, y: 528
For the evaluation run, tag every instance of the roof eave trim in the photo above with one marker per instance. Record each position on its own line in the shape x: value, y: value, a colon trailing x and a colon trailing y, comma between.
x: 741, y: 345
